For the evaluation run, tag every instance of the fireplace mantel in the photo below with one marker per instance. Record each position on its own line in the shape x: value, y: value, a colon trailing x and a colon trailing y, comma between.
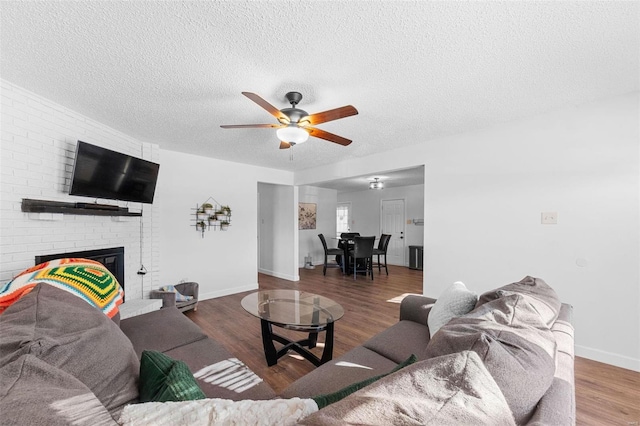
x: 44, y: 206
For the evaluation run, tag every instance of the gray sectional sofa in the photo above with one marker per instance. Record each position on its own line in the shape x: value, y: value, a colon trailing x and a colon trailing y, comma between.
x: 521, y: 332
x: 508, y: 361
x: 62, y: 361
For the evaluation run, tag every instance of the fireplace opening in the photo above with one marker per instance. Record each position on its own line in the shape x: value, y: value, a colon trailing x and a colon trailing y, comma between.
x: 111, y: 258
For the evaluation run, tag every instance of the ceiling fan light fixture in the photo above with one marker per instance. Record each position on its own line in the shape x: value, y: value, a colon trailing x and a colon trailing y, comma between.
x: 376, y: 184
x: 292, y: 134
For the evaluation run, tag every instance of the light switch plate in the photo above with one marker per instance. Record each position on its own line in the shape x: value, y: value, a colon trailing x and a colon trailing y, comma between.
x: 549, y: 218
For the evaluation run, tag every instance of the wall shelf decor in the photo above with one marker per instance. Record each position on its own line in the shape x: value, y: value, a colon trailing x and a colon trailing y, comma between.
x: 44, y: 206
x: 211, y: 215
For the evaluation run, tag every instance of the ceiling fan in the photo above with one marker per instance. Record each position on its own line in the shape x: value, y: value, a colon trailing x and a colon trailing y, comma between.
x: 296, y: 125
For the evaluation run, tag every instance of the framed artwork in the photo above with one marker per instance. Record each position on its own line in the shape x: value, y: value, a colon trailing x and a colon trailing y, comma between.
x: 306, y: 216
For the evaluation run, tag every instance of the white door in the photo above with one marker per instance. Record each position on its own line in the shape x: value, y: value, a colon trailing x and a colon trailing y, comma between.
x: 393, y: 224
x: 343, y: 218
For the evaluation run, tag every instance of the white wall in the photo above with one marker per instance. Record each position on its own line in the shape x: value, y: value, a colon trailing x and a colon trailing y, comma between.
x: 223, y: 262
x: 308, y: 241
x: 278, y: 219
x: 366, y: 209
x: 37, y: 152
x: 485, y: 191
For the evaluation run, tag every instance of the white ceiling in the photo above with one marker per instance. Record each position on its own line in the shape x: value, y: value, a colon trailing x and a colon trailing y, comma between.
x: 171, y: 72
x: 391, y: 179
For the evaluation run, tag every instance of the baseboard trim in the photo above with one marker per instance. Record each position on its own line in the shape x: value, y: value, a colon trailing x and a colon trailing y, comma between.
x: 226, y: 291
x: 280, y: 275
x: 608, y: 358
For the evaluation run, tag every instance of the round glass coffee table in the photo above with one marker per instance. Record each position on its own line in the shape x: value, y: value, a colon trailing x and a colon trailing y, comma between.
x: 294, y: 310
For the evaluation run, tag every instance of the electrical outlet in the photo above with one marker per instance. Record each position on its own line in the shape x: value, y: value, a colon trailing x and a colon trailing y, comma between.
x: 549, y: 218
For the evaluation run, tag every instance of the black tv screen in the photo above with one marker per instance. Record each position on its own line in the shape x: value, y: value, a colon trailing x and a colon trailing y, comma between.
x: 102, y: 173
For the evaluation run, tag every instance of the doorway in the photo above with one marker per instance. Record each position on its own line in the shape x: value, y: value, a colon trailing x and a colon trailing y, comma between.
x: 392, y: 223
x: 343, y: 217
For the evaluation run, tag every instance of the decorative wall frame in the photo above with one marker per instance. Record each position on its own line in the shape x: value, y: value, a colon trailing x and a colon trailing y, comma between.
x: 307, y: 215
x: 211, y: 214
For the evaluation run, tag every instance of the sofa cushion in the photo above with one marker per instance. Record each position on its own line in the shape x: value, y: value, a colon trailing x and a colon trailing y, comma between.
x: 220, y: 374
x: 164, y: 379
x: 356, y: 365
x: 400, y: 340
x: 453, y: 389
x: 543, y: 298
x: 33, y: 392
x: 161, y: 330
x: 326, y: 399
x: 456, y: 300
x: 513, y: 342
x: 66, y: 332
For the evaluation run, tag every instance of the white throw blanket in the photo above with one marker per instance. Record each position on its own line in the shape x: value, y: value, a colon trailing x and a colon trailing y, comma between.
x: 218, y: 412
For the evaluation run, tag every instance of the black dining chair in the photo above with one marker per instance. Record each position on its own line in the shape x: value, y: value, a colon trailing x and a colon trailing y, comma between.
x: 349, y: 235
x: 345, y: 243
x: 329, y: 252
x: 362, y: 249
x: 381, y: 250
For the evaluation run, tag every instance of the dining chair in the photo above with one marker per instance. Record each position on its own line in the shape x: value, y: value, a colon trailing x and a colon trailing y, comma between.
x: 329, y: 252
x: 381, y: 250
x: 349, y: 235
x: 362, y: 249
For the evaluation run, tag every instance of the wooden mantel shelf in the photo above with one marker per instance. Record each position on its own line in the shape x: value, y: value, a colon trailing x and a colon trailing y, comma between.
x: 44, y: 206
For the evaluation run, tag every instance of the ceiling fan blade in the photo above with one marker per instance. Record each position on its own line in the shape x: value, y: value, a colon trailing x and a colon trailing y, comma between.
x: 282, y: 118
x: 330, y: 115
x: 322, y: 134
x: 244, y: 126
x: 285, y: 145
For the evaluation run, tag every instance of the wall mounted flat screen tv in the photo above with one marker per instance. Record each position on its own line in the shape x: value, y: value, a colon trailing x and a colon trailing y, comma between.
x: 102, y: 173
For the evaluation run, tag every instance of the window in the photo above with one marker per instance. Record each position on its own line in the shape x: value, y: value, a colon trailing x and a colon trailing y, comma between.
x: 342, y: 218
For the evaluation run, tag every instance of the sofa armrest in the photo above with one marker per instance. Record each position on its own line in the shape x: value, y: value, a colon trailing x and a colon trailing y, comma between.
x: 168, y: 297
x: 416, y: 308
x: 188, y: 289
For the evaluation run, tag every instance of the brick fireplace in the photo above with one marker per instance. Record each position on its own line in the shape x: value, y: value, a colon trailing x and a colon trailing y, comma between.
x: 111, y: 258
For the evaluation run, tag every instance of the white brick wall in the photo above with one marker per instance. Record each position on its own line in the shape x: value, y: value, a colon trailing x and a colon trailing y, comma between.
x: 37, y: 150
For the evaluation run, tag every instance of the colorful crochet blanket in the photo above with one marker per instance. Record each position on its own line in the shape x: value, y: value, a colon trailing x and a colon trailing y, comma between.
x: 87, y: 279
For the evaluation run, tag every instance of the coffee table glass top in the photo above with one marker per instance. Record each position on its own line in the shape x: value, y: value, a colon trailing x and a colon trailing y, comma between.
x: 292, y: 308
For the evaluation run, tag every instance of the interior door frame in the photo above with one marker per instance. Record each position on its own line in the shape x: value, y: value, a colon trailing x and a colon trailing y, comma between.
x: 404, y: 225
x: 350, y: 209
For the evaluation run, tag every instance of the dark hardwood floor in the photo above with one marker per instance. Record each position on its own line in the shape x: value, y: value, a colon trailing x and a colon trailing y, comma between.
x: 605, y: 395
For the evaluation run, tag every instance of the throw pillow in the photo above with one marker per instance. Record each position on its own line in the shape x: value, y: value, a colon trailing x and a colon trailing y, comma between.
x: 451, y: 390
x: 456, y: 300
x: 164, y: 379
x: 545, y: 300
x: 326, y: 399
x: 514, y: 344
x: 67, y: 333
x: 179, y: 296
x: 84, y: 278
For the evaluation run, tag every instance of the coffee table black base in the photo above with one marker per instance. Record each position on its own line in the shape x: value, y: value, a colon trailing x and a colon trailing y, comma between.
x: 272, y: 355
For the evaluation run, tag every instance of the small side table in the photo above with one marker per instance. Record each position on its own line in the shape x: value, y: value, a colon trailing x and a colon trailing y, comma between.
x: 294, y: 310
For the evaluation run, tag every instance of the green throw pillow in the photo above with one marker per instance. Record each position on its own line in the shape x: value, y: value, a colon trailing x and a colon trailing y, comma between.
x: 330, y: 398
x: 165, y: 379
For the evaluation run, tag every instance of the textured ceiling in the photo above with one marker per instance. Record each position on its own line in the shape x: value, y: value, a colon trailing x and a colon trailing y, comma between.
x: 391, y: 179
x: 171, y: 72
